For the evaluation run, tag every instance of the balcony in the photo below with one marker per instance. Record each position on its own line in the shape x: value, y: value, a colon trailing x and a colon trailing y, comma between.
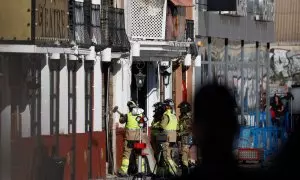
x: 78, y: 23
x: 98, y: 25
x: 159, y: 20
x: 118, y: 39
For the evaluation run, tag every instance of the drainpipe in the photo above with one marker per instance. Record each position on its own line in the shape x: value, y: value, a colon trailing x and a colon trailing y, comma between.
x: 242, y: 80
x: 268, y: 84
x: 226, y: 62
x: 257, y: 83
x: 210, y: 77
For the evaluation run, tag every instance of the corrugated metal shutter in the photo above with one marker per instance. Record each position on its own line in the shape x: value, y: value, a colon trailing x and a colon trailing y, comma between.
x: 287, y: 21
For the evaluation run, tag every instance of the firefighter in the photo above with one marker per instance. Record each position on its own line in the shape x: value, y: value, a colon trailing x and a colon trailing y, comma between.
x: 155, y: 125
x: 132, y: 134
x: 184, y: 133
x: 169, y: 127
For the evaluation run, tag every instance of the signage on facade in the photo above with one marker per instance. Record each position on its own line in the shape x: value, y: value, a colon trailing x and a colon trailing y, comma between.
x: 178, y: 44
x: 48, y: 22
x: 51, y: 20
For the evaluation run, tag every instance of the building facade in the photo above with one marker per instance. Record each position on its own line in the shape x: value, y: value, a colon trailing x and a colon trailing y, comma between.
x: 56, y: 86
x: 158, y: 32
x: 285, y: 50
x: 236, y: 51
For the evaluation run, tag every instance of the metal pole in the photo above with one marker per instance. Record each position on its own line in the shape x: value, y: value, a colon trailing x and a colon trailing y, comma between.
x: 242, y: 79
x: 257, y: 83
x: 140, y: 158
x: 137, y: 97
x: 56, y: 86
x: 226, y: 61
x: 209, y: 60
x: 268, y: 84
x: 72, y: 94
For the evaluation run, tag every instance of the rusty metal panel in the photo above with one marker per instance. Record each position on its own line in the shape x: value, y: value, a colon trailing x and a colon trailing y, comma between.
x: 15, y: 20
x: 51, y: 21
x: 287, y: 26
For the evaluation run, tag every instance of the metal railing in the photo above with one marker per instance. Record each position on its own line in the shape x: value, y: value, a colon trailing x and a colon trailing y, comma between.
x: 78, y: 23
x: 116, y: 28
x: 98, y: 25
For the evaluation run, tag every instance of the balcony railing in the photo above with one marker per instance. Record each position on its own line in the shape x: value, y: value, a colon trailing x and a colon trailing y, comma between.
x: 117, y: 35
x: 98, y: 25
x: 78, y: 22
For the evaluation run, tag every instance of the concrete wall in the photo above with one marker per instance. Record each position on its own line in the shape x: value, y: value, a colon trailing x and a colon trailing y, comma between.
x: 15, y: 106
x: 5, y: 116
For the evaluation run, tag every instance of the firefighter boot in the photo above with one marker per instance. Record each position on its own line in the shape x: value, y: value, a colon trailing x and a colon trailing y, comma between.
x: 185, y: 170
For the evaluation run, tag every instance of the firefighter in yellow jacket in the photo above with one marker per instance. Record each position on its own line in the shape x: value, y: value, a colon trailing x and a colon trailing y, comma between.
x: 169, y: 127
x: 132, y: 135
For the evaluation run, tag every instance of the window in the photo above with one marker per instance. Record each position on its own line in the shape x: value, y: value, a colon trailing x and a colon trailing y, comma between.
x: 96, y: 35
x: 79, y: 16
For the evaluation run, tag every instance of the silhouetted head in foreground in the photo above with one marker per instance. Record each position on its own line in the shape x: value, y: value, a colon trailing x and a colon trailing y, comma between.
x: 215, y: 122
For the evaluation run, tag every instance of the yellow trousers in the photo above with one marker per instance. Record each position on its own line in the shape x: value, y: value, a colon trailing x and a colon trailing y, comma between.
x: 127, y: 150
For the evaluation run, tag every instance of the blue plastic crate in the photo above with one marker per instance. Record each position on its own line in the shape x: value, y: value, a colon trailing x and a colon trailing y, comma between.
x: 266, y: 138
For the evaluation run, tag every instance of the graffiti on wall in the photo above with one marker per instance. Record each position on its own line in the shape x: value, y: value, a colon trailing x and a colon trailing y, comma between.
x: 284, y: 63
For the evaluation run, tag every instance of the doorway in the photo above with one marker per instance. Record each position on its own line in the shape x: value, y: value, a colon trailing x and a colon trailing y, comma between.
x: 139, y: 95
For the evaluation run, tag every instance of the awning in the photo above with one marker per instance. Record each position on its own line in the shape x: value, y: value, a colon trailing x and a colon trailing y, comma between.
x: 183, y: 3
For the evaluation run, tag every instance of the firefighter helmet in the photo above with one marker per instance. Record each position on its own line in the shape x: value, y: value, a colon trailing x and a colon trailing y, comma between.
x: 185, y: 107
x: 169, y: 102
x: 157, y: 104
x: 159, y: 107
x: 131, y: 104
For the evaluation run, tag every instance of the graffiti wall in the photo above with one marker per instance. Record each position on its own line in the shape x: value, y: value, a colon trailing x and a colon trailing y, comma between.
x: 285, y: 62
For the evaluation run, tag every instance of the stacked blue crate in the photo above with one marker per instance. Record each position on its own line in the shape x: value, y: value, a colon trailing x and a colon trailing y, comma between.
x: 263, y: 137
x: 245, y: 139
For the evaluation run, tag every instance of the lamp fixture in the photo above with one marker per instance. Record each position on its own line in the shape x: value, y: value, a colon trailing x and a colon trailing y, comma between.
x: 166, y: 75
x: 140, y: 79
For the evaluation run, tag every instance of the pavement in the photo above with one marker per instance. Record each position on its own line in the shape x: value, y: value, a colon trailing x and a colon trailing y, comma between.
x: 114, y: 177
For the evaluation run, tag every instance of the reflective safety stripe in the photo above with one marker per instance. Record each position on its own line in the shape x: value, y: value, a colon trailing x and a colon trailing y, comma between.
x: 172, y: 125
x: 124, y: 166
x: 172, y: 167
x: 143, y: 163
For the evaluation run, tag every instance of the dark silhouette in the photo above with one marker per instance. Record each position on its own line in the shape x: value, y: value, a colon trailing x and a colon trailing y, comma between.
x: 215, y: 128
x: 285, y: 164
